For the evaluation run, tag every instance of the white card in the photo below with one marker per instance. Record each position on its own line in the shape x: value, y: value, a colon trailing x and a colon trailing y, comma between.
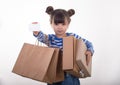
x: 34, y: 27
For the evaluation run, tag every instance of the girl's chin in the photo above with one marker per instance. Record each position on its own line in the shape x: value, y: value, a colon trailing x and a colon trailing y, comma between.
x: 61, y: 34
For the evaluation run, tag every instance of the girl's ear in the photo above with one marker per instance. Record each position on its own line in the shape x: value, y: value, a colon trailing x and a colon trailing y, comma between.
x: 49, y: 10
x: 71, y: 12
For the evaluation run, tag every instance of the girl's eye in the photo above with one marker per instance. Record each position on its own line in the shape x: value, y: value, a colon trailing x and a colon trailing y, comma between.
x: 56, y: 24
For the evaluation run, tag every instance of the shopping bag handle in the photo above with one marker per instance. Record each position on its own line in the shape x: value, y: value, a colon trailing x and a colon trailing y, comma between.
x: 39, y: 43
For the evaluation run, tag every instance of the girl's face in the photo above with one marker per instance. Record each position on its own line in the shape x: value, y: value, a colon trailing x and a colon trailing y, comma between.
x: 60, y: 28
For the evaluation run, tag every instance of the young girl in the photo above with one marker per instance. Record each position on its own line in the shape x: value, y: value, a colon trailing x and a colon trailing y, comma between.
x: 60, y: 20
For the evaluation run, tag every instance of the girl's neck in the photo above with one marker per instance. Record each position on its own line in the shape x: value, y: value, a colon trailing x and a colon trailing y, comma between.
x: 61, y: 36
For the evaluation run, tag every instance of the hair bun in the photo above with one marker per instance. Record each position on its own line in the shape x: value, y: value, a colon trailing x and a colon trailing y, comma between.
x: 49, y: 10
x: 71, y: 12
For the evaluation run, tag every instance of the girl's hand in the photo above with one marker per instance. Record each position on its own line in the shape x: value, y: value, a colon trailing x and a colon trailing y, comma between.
x: 88, y: 56
x: 36, y: 32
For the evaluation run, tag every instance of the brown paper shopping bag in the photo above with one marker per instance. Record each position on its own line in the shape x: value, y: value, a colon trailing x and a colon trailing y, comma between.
x: 55, y: 72
x: 59, y: 72
x: 81, y: 59
x: 37, y: 62
x: 73, y: 59
x: 69, y: 56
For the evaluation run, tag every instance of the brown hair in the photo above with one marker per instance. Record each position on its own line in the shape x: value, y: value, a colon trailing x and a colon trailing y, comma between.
x: 59, y: 15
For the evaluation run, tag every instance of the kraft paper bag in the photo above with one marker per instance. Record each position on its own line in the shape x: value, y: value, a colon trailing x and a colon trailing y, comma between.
x: 81, y: 59
x: 55, y: 72
x: 38, y: 63
x: 73, y: 60
x: 60, y: 72
x: 69, y: 56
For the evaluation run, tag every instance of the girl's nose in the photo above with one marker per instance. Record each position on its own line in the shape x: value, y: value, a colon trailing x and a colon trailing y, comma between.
x: 59, y: 25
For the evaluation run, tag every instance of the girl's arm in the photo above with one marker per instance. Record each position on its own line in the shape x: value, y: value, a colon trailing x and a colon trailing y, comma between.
x: 90, y: 51
x: 88, y: 44
x: 40, y: 35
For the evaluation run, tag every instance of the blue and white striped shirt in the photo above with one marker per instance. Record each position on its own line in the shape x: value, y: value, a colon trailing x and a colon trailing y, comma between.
x: 52, y: 40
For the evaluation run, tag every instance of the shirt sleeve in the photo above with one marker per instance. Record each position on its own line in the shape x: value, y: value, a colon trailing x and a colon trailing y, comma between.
x: 42, y: 38
x: 88, y: 43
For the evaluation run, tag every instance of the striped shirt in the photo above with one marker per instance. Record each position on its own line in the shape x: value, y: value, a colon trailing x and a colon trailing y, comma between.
x: 52, y: 40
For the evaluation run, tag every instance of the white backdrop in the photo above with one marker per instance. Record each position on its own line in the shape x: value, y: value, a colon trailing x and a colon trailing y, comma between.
x: 95, y: 20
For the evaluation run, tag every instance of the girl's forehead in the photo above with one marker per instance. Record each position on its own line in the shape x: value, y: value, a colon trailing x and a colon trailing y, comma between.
x: 65, y: 22
x: 55, y: 19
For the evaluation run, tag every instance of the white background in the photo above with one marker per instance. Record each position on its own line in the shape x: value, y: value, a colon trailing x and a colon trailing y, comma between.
x: 96, y: 20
